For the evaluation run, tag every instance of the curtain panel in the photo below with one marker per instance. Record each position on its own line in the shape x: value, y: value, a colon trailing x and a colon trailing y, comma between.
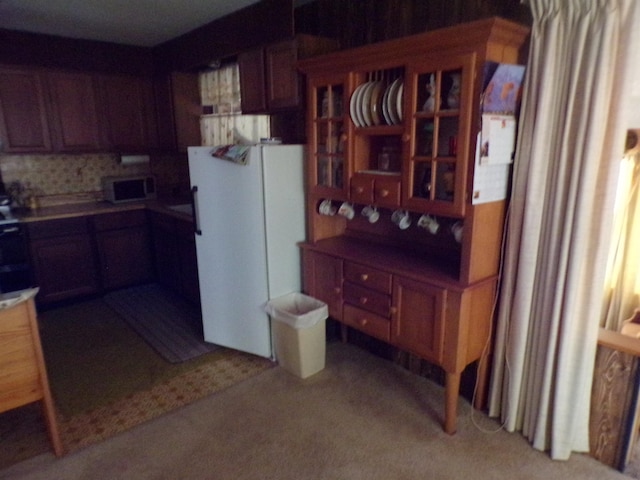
x: 570, y: 138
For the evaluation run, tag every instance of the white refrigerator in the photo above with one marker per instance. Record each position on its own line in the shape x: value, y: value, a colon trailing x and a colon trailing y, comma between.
x: 248, y: 221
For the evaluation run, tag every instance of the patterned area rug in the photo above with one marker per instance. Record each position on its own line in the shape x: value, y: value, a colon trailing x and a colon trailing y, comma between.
x: 23, y: 434
x: 167, y: 322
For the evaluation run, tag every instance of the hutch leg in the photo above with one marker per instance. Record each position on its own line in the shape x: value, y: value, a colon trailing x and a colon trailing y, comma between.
x: 452, y: 391
x: 52, y: 425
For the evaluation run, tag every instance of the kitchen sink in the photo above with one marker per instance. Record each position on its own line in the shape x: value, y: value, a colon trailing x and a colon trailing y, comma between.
x: 182, y: 208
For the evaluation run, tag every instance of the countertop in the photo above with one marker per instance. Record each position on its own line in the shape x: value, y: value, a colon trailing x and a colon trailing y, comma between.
x: 99, y: 207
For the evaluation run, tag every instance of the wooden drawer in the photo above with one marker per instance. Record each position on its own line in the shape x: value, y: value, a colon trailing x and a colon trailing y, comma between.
x: 386, y: 192
x: 118, y: 220
x: 368, y: 277
x: 367, y: 322
x: 19, y: 374
x: 367, y: 299
x: 362, y: 189
x: 58, y: 227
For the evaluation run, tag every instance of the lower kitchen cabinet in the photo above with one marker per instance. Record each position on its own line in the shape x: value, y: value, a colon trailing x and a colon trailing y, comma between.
x: 323, y: 279
x: 62, y: 259
x: 396, y: 297
x: 123, y: 247
x: 174, y: 253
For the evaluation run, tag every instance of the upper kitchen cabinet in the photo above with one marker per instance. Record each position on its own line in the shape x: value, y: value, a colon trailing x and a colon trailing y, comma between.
x: 178, y: 111
x: 269, y: 80
x: 74, y: 116
x: 127, y: 103
x: 24, y: 125
x: 47, y: 110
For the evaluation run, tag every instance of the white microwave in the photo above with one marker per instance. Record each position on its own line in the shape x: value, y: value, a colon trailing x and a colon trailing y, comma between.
x: 129, y: 188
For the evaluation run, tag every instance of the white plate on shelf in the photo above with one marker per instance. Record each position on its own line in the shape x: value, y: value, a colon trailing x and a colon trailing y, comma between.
x: 391, y: 101
x: 365, y: 104
x: 353, y: 106
x: 399, y: 103
x: 385, y: 105
x: 375, y: 105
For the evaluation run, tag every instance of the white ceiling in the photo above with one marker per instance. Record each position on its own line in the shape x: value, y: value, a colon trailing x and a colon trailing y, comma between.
x: 133, y: 22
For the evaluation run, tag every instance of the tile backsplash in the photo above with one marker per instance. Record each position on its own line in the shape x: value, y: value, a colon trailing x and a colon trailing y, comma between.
x: 56, y: 179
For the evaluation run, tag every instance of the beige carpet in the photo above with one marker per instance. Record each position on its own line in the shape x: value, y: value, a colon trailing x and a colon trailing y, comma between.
x: 360, y: 418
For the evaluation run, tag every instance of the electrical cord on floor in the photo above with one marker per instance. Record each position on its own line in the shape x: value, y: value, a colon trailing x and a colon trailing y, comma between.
x: 484, y: 357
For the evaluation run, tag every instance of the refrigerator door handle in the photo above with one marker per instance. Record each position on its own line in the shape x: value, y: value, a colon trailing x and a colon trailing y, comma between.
x: 194, y: 210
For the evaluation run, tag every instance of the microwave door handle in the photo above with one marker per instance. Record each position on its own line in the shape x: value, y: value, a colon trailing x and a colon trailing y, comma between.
x: 195, y: 210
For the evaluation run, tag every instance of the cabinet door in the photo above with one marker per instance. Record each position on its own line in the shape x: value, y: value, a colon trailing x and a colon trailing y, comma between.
x: 124, y: 250
x: 75, y: 125
x: 129, y: 112
x: 177, y: 99
x: 23, y: 114
x: 124, y: 257
x: 436, y: 166
x: 283, y: 80
x: 253, y: 95
x: 327, y: 137
x: 189, y: 284
x: 64, y: 267
x: 165, y: 245
x: 417, y: 323
x: 323, y: 280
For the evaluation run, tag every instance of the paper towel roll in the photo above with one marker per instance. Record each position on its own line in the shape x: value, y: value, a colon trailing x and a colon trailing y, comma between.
x: 134, y: 159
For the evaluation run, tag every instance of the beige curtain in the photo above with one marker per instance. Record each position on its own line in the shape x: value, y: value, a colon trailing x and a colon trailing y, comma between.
x: 622, y: 288
x: 570, y: 138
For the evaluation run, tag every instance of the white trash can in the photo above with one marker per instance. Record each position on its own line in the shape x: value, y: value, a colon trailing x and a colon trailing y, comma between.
x: 298, y: 328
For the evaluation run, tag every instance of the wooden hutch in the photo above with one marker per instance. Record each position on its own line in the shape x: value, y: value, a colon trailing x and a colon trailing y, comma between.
x: 429, y: 294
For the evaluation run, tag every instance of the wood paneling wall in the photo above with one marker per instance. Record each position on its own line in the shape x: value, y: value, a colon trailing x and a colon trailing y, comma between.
x: 361, y: 22
x: 21, y: 48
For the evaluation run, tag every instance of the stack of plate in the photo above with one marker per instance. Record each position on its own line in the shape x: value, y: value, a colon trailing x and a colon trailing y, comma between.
x: 372, y: 104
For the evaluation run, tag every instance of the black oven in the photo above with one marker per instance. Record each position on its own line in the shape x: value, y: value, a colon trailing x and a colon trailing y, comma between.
x: 15, y: 273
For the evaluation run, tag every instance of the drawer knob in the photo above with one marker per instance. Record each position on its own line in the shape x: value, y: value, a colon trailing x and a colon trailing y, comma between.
x: 363, y: 322
x: 393, y: 310
x: 363, y: 300
x: 359, y: 190
x: 337, y: 290
x: 384, y: 193
x: 364, y: 277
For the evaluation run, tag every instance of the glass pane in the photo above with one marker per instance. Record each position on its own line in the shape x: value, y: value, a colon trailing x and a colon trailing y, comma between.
x: 422, y: 180
x: 335, y: 101
x: 323, y: 136
x: 426, y: 98
x: 448, y: 137
x: 424, y: 137
x: 338, y: 172
x: 322, y: 100
x: 450, y: 89
x: 324, y: 171
x: 445, y: 181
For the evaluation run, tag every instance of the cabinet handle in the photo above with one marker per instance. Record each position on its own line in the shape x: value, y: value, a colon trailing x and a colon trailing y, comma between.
x: 337, y: 290
x: 384, y: 193
x: 359, y: 190
x: 343, y: 137
x: 363, y: 322
x: 393, y: 310
x: 406, y: 137
x: 363, y: 300
x: 364, y: 277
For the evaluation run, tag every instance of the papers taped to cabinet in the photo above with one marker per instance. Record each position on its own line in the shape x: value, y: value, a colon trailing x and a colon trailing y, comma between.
x: 490, y: 181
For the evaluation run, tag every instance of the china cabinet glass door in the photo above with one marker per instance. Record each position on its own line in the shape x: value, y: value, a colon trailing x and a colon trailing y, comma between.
x: 440, y: 111
x: 328, y: 138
